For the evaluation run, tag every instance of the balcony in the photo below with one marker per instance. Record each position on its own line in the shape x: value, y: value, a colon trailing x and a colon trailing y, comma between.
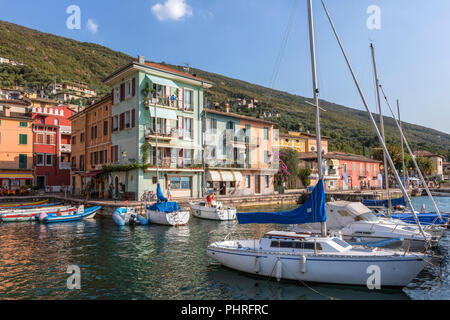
x: 65, y: 129
x: 66, y: 148
x: 163, y: 135
x: 168, y: 102
x: 171, y: 164
x: 65, y: 166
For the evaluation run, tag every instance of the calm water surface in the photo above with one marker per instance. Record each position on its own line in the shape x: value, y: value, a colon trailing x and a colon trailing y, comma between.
x: 157, y: 262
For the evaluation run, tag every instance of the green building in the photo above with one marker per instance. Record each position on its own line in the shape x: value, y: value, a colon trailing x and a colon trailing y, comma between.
x: 157, y: 129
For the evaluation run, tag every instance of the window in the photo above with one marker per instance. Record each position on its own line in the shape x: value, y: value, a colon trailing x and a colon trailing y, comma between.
x: 374, y: 170
x: 115, y: 123
x: 101, y: 156
x: 48, y: 159
x: 368, y: 169
x: 93, y: 132
x: 81, y: 137
x: 267, y: 181
x: 247, y: 181
x: 127, y: 119
x: 24, y: 124
x: 74, y: 140
x: 115, y: 154
x: 353, y: 167
x: 122, y: 121
x: 116, y: 95
x: 56, y: 122
x: 74, y: 162
x: 266, y: 134
x: 50, y: 139
x: 23, y: 139
x: 188, y: 99
x: 82, y: 163
x: 295, y: 245
x: 188, y: 134
x: 345, y: 168
x: 40, y: 159
x: 105, y: 128
x: 40, y: 138
x: 180, y: 183
x: 22, y: 161
x: 361, y: 169
x: 266, y: 157
x: 127, y: 89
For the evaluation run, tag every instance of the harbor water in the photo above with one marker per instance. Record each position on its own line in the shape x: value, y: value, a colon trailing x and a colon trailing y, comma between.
x: 157, y: 262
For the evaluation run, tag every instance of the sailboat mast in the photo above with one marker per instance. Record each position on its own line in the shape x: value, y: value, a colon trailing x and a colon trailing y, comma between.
x: 397, y: 177
x: 323, y: 225
x: 386, y: 169
x: 401, y: 140
x: 156, y: 134
x: 422, y: 179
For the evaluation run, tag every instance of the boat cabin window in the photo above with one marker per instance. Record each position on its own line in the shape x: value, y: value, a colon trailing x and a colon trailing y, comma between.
x: 295, y: 245
x: 367, y: 216
x: 344, y: 213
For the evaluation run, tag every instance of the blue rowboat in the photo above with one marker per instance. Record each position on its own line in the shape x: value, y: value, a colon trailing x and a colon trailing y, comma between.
x: 79, y: 214
x: 424, y: 218
x: 128, y: 216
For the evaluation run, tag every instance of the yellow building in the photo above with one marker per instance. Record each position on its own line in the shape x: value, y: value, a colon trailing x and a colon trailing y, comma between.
x: 16, y: 149
x: 302, y: 142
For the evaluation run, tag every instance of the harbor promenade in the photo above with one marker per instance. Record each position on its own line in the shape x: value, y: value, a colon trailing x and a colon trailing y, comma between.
x: 290, y: 197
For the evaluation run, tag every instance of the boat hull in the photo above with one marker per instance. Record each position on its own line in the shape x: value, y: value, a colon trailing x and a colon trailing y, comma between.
x: 178, y: 218
x: 27, y: 204
x: 30, y: 215
x: 223, y: 214
x: 121, y: 219
x: 395, y: 271
x: 53, y: 218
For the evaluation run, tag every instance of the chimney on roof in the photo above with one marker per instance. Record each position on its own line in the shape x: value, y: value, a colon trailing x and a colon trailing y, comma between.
x: 227, y: 107
x: 141, y: 60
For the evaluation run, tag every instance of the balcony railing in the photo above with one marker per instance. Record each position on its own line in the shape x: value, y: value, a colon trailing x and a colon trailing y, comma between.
x: 65, y: 165
x: 66, y: 148
x: 65, y: 129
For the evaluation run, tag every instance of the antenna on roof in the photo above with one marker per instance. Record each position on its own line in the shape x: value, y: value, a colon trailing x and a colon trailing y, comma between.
x: 187, y: 67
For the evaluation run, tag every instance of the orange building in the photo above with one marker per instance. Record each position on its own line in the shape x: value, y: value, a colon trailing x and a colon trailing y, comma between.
x: 91, y: 148
x: 300, y: 141
x: 16, y: 149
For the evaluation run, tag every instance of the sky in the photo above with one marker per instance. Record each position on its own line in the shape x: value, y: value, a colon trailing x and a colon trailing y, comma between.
x: 242, y: 39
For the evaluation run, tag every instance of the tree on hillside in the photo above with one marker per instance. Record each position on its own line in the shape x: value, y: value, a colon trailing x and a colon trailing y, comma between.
x: 395, y: 151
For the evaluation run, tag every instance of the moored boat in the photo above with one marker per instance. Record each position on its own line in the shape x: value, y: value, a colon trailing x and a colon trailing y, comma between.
x: 38, y: 206
x: 128, y: 216
x: 31, y: 214
x: 15, y: 205
x: 215, y: 212
x: 288, y: 255
x: 166, y: 213
x: 78, y: 214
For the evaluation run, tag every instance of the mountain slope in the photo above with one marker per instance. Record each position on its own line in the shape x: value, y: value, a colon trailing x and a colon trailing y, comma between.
x: 48, y: 56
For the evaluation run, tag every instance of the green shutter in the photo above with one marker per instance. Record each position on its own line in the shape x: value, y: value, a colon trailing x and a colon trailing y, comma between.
x: 22, y: 161
x: 23, y: 139
x: 23, y: 124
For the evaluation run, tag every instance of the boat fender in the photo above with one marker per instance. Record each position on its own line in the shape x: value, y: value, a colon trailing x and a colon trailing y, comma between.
x: 303, y: 264
x: 257, y: 265
x: 279, y: 271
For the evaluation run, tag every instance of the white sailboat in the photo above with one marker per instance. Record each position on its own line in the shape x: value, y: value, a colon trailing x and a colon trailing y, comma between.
x: 216, y: 212
x: 297, y: 256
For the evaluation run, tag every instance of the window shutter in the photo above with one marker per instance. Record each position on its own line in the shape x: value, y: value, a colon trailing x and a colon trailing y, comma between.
x: 133, y: 87
x: 122, y: 92
x: 181, y: 98
x: 133, y: 118
x: 180, y: 127
x: 122, y: 121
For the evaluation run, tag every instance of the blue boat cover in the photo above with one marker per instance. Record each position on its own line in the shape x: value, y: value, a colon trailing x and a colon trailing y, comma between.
x: 166, y: 207
x: 313, y: 210
x: 384, y: 203
x: 424, y: 218
x: 159, y: 194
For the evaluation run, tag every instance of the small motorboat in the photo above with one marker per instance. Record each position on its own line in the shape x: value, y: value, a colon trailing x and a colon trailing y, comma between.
x: 128, y: 216
x: 31, y: 214
x: 166, y: 213
x: 78, y: 214
x: 215, y: 212
x: 15, y: 205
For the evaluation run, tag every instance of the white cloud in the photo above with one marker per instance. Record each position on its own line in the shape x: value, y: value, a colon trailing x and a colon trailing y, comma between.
x: 92, y: 26
x: 172, y: 10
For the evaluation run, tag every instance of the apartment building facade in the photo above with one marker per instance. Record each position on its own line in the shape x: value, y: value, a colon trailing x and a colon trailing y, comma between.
x: 239, y: 154
x: 52, y: 132
x: 91, y: 149
x: 156, y: 116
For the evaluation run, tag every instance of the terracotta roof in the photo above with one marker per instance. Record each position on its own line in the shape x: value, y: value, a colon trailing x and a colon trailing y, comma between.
x: 425, y: 153
x: 15, y: 101
x: 159, y: 66
x: 235, y: 115
x: 337, y: 155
